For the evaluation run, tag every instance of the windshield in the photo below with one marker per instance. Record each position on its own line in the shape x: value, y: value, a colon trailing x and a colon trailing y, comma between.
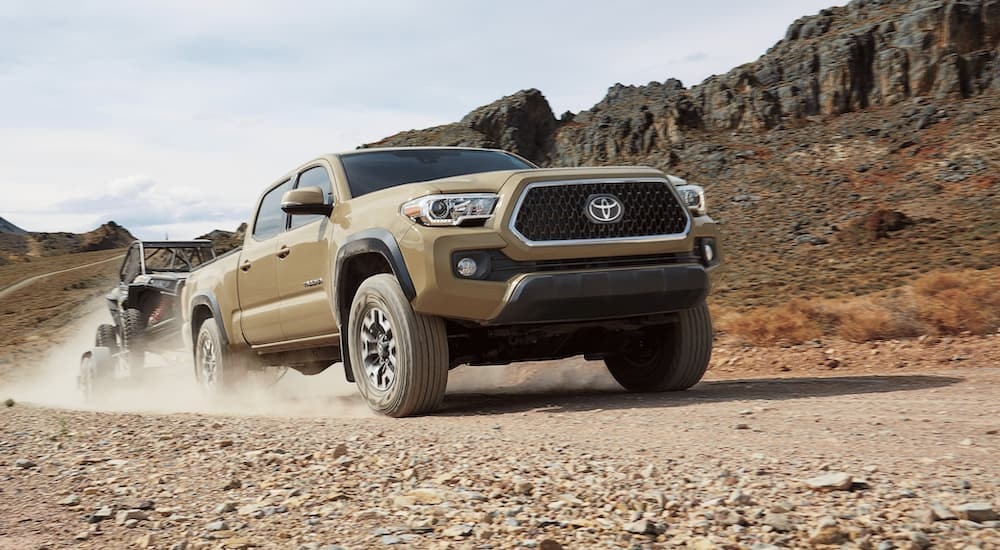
x: 369, y: 171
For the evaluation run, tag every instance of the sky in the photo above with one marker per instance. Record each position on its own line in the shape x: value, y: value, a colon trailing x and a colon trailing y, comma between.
x: 170, y: 117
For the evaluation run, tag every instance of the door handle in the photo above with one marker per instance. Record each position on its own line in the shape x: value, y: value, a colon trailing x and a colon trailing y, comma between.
x: 284, y: 252
x: 245, y: 266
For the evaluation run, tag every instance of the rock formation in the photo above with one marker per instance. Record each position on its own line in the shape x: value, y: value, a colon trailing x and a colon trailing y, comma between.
x: 868, y: 53
x: 25, y: 245
x: 223, y: 241
x: 857, y: 152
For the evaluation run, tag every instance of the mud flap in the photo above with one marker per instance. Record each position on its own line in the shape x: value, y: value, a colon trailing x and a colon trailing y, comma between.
x: 345, y: 355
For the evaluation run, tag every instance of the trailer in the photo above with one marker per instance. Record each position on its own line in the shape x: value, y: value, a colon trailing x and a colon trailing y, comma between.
x: 145, y: 313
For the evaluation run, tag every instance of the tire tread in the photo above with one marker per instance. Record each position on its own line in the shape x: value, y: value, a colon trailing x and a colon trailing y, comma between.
x: 133, y: 325
x: 420, y: 389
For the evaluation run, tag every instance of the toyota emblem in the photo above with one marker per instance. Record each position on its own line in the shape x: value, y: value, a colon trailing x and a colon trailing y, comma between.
x: 604, y: 209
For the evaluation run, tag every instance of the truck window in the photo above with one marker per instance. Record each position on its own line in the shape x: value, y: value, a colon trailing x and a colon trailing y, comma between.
x: 313, y: 177
x: 270, y: 218
x: 374, y: 170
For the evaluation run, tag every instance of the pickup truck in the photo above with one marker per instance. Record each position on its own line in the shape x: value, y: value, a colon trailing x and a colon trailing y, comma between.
x: 404, y: 263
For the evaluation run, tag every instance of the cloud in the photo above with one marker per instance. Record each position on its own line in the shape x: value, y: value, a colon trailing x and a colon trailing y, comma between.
x: 146, y: 206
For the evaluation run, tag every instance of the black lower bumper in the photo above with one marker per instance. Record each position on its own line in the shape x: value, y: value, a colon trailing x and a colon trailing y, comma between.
x: 588, y: 296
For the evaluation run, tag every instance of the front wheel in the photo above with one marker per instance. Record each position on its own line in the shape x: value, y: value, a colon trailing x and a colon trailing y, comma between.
x: 666, y: 358
x: 399, y: 357
x: 216, y: 368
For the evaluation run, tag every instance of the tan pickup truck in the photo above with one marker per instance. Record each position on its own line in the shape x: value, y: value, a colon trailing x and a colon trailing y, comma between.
x: 405, y: 263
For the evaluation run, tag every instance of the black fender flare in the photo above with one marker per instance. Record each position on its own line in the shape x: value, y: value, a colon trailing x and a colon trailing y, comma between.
x: 378, y: 241
x: 206, y: 298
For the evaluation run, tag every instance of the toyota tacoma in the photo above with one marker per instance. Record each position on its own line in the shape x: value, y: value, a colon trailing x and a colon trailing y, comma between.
x: 405, y: 263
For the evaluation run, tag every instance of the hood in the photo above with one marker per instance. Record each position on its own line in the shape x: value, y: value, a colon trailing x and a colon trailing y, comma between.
x: 492, y: 182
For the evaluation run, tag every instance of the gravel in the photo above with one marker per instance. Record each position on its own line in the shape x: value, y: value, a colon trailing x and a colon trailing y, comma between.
x: 864, y: 460
x: 830, y: 482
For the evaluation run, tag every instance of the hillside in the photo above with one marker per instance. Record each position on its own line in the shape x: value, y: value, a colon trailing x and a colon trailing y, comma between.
x: 839, y: 162
x: 24, y: 246
x: 7, y: 227
x: 223, y: 241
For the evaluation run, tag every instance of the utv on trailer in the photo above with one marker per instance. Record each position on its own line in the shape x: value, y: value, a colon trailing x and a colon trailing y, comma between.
x: 145, y: 312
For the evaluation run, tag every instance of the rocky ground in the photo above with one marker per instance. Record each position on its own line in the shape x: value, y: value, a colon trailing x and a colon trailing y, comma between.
x: 882, y: 445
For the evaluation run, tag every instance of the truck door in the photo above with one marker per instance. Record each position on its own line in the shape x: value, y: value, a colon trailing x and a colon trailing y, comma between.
x: 304, y: 267
x: 256, y: 278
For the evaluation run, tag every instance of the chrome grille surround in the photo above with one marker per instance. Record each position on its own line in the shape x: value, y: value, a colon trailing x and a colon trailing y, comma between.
x: 674, y: 222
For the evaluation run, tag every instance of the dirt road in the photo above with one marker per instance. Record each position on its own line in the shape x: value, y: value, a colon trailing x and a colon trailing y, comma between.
x: 720, y: 466
x: 10, y: 289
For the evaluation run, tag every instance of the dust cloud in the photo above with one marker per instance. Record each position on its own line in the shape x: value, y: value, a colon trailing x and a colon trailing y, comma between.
x: 167, y: 383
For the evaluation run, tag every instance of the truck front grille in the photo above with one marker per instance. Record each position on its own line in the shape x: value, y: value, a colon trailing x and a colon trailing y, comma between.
x: 557, y: 212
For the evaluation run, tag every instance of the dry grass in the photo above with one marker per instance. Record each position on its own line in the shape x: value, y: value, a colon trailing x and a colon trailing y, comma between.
x: 19, y: 270
x: 28, y: 314
x: 796, y: 321
x: 952, y: 303
x: 876, y: 318
x: 937, y: 303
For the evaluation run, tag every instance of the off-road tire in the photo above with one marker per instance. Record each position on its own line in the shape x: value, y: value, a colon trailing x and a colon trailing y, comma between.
x: 133, y: 324
x: 669, y: 358
x: 107, y: 337
x: 420, y: 376
x: 217, y: 369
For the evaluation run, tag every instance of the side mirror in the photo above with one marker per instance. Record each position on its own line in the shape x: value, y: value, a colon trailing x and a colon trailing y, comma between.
x: 307, y: 200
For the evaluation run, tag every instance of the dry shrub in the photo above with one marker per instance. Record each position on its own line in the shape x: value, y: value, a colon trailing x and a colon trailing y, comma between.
x: 937, y: 303
x: 795, y: 322
x: 867, y: 318
x: 951, y: 303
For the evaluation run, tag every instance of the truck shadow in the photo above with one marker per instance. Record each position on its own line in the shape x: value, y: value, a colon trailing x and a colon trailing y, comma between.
x: 510, y: 400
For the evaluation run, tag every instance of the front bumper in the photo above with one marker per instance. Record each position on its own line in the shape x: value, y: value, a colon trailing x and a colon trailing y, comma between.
x: 595, y: 295
x: 629, y: 280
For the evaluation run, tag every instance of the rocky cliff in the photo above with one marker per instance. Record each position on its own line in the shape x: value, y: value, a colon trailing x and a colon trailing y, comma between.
x: 861, y: 150
x: 868, y: 53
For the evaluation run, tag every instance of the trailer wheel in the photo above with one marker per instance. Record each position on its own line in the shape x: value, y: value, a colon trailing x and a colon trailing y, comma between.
x: 107, y: 337
x: 96, y: 374
x: 133, y: 357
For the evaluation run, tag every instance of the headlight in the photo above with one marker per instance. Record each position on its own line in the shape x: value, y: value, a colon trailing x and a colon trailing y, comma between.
x: 450, y: 209
x: 693, y: 197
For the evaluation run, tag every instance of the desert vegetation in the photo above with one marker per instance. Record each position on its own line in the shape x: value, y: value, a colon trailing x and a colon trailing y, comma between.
x: 26, y: 267
x: 938, y: 303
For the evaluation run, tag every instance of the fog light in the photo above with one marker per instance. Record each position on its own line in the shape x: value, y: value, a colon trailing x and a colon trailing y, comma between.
x: 467, y: 267
x: 709, y: 252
